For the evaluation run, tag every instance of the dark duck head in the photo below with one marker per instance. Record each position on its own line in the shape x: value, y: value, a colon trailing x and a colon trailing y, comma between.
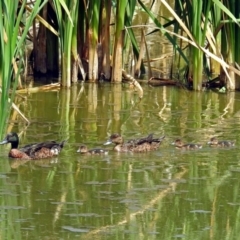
x: 34, y: 150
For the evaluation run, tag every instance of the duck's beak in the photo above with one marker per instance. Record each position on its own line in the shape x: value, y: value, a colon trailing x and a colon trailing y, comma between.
x: 3, y: 142
x: 78, y: 150
x: 109, y: 141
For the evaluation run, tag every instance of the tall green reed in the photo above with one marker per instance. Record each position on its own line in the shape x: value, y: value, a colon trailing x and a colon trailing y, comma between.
x: 12, y: 41
x: 65, y: 11
x: 230, y: 37
x: 198, y: 20
x: 93, y: 18
x: 118, y: 41
x: 105, y: 62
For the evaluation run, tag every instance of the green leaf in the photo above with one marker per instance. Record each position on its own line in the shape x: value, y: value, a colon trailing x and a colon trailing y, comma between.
x: 226, y: 10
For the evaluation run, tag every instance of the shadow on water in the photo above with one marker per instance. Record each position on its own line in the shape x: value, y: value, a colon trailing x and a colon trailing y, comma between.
x: 165, y: 194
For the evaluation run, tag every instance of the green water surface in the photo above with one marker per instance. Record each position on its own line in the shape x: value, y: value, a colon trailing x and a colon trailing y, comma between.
x: 165, y: 194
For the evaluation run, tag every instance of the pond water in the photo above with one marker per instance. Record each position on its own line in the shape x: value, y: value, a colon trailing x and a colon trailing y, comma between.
x: 164, y: 194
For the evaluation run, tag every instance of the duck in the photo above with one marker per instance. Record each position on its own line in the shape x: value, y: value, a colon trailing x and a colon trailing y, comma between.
x: 32, y: 151
x: 180, y: 145
x: 214, y: 142
x: 135, y: 145
x: 83, y: 149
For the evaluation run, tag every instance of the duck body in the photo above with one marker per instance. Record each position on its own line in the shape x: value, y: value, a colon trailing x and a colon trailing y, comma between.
x: 188, y: 146
x: 135, y: 145
x: 83, y: 149
x: 214, y: 142
x: 32, y: 151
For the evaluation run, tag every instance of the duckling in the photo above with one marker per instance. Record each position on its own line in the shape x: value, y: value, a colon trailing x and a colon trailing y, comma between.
x: 214, y: 142
x: 94, y: 151
x: 32, y: 151
x: 135, y: 145
x: 191, y: 146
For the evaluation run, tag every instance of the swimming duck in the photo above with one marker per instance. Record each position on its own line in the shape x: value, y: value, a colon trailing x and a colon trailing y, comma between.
x: 32, y: 151
x: 136, y: 145
x: 224, y: 143
x: 180, y: 145
x: 94, y: 151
